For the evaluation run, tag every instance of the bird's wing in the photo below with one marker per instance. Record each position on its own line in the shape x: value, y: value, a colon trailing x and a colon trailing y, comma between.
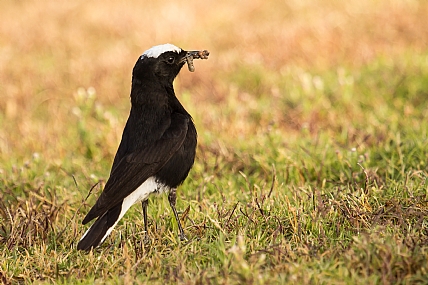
x: 123, y: 148
x: 133, y: 169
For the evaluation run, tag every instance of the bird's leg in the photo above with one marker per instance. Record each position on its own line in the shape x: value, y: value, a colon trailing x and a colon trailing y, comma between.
x: 145, y: 204
x: 172, y: 198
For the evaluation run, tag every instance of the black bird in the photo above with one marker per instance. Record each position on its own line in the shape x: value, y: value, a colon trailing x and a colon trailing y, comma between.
x: 158, y: 144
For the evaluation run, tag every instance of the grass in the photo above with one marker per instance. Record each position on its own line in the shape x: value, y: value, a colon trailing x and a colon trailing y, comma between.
x: 313, y: 147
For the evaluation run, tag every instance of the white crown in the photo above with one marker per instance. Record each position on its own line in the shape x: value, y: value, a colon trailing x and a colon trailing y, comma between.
x: 156, y: 51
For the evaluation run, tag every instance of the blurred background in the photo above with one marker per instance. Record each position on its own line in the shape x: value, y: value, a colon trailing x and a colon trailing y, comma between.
x: 52, y: 53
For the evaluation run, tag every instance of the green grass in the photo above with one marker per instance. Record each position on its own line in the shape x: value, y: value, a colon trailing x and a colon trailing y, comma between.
x: 312, y: 162
x: 341, y: 198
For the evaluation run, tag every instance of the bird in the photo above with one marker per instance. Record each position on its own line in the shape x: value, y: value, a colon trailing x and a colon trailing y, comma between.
x: 158, y: 144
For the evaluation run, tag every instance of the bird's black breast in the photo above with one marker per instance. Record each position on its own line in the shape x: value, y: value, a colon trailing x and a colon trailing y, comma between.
x: 178, y: 166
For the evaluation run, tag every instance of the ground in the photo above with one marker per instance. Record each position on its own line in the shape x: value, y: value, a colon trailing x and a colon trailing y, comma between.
x: 313, y: 149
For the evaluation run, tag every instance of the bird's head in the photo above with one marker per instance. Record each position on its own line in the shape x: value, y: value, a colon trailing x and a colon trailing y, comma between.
x: 165, y: 62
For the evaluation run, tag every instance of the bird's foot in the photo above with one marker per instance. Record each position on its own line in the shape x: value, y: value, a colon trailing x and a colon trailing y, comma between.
x: 146, y: 239
x: 183, y: 237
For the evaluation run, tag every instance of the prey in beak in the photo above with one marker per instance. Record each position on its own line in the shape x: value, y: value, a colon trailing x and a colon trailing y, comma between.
x: 191, y: 55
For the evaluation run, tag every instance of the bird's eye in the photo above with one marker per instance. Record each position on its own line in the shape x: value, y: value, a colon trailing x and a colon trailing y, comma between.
x: 170, y: 60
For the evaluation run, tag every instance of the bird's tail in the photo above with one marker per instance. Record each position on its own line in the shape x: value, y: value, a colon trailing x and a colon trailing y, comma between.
x: 100, y: 230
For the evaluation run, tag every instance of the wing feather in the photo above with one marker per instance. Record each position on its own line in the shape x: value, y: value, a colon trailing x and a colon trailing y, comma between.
x: 129, y: 172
